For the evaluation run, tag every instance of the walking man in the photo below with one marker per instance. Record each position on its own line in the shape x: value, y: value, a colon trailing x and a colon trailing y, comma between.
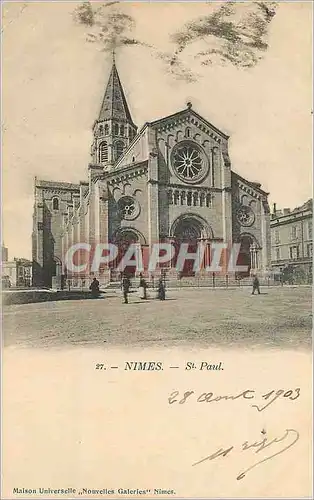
x: 143, y: 288
x: 125, y: 288
x: 255, y: 285
x: 161, y: 290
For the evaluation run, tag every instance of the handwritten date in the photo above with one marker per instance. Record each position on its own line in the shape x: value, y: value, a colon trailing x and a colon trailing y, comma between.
x: 249, y: 394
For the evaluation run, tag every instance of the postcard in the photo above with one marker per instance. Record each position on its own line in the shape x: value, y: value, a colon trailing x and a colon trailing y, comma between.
x: 157, y: 250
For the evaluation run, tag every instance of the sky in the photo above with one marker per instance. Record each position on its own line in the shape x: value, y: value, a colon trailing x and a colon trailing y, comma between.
x: 53, y: 82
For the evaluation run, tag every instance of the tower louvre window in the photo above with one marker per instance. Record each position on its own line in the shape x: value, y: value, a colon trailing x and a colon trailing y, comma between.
x: 116, y: 129
x: 122, y: 130
x: 55, y: 204
x: 132, y: 134
x: 106, y: 129
x: 101, y: 130
x: 103, y: 152
x: 118, y: 149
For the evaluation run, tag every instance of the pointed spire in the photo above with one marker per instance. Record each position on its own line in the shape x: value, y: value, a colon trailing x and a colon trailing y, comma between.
x: 114, y: 104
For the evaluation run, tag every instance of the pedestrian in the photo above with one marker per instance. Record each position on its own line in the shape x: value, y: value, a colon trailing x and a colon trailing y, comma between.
x: 255, y: 285
x: 143, y: 288
x: 125, y: 288
x: 161, y: 290
x: 94, y: 287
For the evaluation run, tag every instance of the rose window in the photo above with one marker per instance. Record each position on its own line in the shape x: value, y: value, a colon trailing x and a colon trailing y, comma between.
x: 189, y: 162
x: 128, y: 208
x: 245, y: 216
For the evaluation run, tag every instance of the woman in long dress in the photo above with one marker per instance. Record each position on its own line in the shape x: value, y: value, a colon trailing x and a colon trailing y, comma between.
x: 94, y: 287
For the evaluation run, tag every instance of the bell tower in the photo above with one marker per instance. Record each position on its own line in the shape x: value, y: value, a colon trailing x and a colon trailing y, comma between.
x: 114, y: 129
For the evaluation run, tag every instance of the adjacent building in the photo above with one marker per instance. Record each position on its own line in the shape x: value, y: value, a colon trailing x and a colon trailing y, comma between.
x: 292, y: 242
x: 4, y: 254
x: 170, y: 181
x: 16, y: 273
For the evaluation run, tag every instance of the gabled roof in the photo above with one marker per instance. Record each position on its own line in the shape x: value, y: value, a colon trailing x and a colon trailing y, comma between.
x: 114, y: 103
x: 56, y: 185
x: 191, y: 111
x: 254, y: 185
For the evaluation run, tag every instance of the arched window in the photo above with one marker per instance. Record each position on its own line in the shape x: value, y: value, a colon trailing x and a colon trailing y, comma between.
x: 187, y: 132
x: 103, y: 152
x: 101, y: 130
x: 116, y: 129
x: 55, y: 204
x: 121, y: 129
x: 118, y: 149
x: 106, y: 129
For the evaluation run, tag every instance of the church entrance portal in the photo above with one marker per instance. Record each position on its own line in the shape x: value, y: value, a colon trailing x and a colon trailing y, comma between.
x: 249, y: 255
x: 123, y: 241
x: 189, y: 232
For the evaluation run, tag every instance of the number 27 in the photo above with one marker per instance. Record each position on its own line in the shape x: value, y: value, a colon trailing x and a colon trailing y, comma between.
x: 99, y: 366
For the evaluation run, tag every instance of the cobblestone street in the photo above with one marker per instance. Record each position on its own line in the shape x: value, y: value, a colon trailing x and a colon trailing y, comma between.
x: 191, y: 317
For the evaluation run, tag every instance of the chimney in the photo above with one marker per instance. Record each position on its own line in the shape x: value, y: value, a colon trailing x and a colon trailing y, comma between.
x: 274, y: 208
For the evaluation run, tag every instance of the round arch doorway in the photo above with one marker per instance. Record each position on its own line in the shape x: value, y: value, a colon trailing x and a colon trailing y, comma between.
x: 249, y: 254
x: 189, y: 230
x: 123, y: 239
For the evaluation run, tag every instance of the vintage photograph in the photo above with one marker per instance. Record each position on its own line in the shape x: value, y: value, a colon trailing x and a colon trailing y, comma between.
x: 157, y: 217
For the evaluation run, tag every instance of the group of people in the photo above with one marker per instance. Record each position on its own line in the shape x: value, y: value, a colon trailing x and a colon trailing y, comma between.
x: 161, y: 291
x: 126, y: 284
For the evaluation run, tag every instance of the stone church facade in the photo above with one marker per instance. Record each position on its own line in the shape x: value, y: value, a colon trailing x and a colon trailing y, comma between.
x: 170, y: 181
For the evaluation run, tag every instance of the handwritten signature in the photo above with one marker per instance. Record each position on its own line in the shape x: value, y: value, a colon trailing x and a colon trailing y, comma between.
x: 257, y: 446
x: 248, y: 394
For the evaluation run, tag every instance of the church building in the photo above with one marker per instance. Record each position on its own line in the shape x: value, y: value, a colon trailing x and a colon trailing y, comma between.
x: 170, y: 181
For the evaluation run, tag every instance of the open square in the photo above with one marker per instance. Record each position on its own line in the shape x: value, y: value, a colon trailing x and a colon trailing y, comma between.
x: 278, y: 318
